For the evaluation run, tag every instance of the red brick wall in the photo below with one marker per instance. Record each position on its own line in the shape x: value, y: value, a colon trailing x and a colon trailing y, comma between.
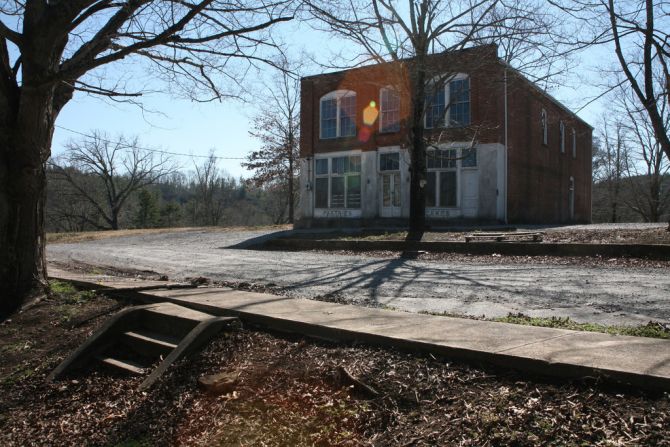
x: 538, y: 174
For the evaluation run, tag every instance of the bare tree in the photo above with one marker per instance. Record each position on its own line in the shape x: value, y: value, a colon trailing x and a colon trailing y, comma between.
x: 121, y: 166
x: 610, y: 161
x: 211, y: 192
x: 407, y: 33
x: 638, y: 31
x: 647, y: 168
x: 50, y: 49
x: 277, y: 127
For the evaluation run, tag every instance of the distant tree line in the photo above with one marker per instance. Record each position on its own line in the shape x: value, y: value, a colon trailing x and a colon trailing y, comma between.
x: 101, y: 183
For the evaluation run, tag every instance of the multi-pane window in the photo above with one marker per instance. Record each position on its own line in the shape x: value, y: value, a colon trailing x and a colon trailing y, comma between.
x: 441, y: 186
x: 469, y: 158
x: 574, y: 144
x: 389, y: 161
x: 448, y: 104
x: 338, y: 182
x: 389, y: 120
x: 459, y: 102
x: 435, y: 105
x: 338, y: 114
x: 544, y: 125
x: 561, y: 136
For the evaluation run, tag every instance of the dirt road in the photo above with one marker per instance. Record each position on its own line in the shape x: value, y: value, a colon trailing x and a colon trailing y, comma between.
x: 609, y: 295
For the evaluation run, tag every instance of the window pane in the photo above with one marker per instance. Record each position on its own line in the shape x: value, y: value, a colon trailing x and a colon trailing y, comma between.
x: 448, y: 188
x: 390, y: 110
x: 389, y: 162
x: 446, y: 158
x: 329, y: 118
x: 459, y: 102
x: 321, y: 166
x: 432, y: 159
x: 386, y: 190
x: 469, y: 158
x: 321, y: 193
x: 337, y: 192
x: 338, y: 165
x: 348, y: 116
x: 396, y: 189
x: 435, y: 108
x: 353, y: 191
x: 430, y: 189
x: 354, y: 164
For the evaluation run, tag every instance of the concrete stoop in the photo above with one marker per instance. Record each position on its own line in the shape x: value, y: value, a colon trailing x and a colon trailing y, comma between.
x: 136, y: 339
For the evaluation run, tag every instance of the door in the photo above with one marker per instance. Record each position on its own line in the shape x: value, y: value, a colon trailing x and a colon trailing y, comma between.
x: 470, y: 198
x: 390, y: 194
x: 571, y: 198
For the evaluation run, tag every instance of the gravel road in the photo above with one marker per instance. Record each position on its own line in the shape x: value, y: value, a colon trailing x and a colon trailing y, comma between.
x: 608, y: 295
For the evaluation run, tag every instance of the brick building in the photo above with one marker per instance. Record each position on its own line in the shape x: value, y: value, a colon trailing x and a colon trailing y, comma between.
x: 500, y: 149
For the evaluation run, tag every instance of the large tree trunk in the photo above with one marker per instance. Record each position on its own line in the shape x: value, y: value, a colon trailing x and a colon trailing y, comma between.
x: 417, y: 190
x: 22, y: 198
x: 27, y: 117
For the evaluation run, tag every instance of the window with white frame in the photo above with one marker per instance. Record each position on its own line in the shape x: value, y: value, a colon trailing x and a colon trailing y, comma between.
x: 389, y: 119
x: 389, y: 161
x: 574, y: 144
x: 561, y: 136
x: 338, y: 114
x: 338, y: 182
x: 449, y: 104
x: 544, y: 125
x: 442, y: 185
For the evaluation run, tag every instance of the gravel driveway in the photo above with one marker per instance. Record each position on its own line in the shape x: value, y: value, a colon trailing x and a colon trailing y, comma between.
x: 608, y: 295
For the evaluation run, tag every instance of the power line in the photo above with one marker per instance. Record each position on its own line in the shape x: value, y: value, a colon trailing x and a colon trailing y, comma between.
x: 150, y: 149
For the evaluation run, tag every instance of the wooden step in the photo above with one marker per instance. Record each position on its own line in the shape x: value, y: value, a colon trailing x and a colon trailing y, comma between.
x: 149, y: 344
x: 171, y: 319
x: 128, y: 366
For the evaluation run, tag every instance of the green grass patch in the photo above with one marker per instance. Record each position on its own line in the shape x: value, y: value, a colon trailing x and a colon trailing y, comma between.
x: 68, y: 293
x: 651, y: 329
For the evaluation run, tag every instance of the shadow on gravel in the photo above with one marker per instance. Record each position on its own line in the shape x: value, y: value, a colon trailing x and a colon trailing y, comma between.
x: 258, y: 240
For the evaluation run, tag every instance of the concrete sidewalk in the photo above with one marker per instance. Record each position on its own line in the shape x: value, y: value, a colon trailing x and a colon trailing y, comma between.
x: 643, y: 362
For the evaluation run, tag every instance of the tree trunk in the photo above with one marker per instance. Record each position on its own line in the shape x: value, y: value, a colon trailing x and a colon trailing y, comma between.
x: 22, y: 203
x: 417, y: 190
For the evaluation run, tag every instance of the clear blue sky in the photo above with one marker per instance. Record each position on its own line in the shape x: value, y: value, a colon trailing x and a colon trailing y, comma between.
x: 195, y: 128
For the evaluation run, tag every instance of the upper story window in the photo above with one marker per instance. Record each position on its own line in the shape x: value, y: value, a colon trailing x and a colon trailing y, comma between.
x: 389, y: 120
x: 561, y: 136
x: 574, y: 144
x: 544, y: 126
x: 338, y: 114
x: 449, y: 105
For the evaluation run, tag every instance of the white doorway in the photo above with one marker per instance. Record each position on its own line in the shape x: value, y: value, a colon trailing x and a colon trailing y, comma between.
x: 390, y: 194
x: 470, y: 188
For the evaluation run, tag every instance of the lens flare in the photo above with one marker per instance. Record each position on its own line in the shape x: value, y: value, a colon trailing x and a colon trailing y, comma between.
x: 364, y: 134
x: 370, y: 114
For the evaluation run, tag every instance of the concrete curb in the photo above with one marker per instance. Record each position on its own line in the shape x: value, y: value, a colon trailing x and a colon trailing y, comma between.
x: 649, y: 251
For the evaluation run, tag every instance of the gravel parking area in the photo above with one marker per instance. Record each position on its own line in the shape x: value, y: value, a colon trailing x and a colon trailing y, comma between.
x: 602, y: 293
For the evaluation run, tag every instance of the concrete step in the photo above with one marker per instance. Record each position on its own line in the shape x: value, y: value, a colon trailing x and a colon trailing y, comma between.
x: 149, y: 344
x: 128, y: 366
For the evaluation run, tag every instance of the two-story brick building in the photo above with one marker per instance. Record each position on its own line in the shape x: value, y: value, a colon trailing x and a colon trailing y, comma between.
x: 500, y: 149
